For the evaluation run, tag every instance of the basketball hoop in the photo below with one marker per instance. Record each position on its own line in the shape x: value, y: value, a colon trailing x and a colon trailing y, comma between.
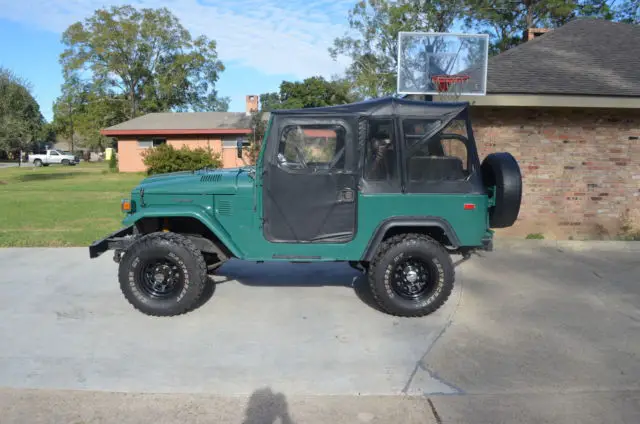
x: 450, y: 87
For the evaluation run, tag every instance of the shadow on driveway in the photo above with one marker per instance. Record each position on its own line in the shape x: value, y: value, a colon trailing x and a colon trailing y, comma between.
x: 309, y: 275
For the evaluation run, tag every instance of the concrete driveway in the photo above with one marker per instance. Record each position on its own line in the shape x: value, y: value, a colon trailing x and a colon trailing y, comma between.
x: 534, y: 332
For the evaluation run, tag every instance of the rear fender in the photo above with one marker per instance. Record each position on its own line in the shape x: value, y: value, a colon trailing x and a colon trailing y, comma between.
x: 409, y: 222
x: 189, y: 211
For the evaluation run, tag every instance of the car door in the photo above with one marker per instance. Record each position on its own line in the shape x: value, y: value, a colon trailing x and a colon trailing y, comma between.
x: 309, y: 189
x: 54, y: 157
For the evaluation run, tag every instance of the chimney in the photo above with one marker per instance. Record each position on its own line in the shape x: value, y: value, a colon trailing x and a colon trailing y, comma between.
x: 532, y: 33
x: 252, y: 104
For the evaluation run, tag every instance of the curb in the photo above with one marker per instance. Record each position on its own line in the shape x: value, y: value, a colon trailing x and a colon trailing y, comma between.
x: 574, y: 245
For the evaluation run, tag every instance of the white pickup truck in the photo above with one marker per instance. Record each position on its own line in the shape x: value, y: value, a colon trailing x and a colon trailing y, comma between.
x: 53, y: 157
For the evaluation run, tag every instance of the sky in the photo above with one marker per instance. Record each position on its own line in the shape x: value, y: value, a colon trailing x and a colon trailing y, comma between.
x: 260, y: 42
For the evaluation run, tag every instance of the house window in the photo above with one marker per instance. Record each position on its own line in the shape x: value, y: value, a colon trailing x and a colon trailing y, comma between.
x: 151, y: 142
x: 232, y: 143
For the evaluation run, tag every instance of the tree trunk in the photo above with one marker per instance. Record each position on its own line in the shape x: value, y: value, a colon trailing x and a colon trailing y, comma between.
x: 529, y: 5
x: 132, y: 93
x: 71, y: 125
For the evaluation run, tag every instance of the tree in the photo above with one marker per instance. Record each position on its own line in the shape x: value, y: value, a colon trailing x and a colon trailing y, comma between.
x: 147, y: 57
x: 67, y: 106
x: 372, y: 43
x: 312, y: 92
x: 47, y: 133
x: 83, y: 109
x: 627, y: 11
x: 20, y: 118
x: 259, y: 128
x: 506, y: 21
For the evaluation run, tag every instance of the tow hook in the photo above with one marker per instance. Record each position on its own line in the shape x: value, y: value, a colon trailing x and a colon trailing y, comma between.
x: 117, y: 255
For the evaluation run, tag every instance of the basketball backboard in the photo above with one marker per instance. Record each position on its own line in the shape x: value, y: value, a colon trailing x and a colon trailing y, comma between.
x: 437, y: 63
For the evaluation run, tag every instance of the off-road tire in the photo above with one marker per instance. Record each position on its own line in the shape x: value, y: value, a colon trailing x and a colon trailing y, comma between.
x: 403, y: 246
x: 159, y: 246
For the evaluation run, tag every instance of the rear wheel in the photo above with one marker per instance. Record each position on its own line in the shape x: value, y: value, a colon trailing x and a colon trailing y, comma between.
x: 163, y: 274
x: 37, y: 163
x: 412, y: 275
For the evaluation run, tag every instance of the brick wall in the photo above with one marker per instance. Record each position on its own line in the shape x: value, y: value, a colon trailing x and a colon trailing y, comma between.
x: 581, y: 167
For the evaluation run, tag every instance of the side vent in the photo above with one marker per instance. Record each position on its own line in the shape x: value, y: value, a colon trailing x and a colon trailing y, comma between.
x: 224, y: 207
x: 210, y: 178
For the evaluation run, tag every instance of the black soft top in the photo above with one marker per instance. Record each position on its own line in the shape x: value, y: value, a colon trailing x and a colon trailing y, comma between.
x: 385, y: 106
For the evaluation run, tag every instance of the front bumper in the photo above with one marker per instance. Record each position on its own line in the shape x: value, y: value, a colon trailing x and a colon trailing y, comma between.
x: 120, y: 239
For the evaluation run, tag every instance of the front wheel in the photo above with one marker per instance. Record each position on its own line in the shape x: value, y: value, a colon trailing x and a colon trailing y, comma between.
x: 65, y: 162
x: 411, y: 276
x: 163, y: 274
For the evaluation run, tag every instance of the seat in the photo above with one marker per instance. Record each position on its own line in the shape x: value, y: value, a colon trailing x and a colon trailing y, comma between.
x: 436, y: 168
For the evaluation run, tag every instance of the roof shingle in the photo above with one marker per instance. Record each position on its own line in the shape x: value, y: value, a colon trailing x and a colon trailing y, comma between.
x: 583, y: 57
x: 186, y: 121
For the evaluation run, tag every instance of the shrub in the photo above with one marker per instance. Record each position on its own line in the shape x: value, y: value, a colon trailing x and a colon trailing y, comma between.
x: 535, y: 236
x: 165, y: 158
x: 627, y: 231
x: 113, y: 163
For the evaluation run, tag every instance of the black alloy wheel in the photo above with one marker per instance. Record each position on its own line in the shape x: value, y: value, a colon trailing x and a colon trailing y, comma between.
x: 412, y: 279
x: 161, y: 278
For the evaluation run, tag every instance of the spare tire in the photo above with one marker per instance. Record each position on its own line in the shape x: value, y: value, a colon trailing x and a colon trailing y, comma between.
x: 502, y: 171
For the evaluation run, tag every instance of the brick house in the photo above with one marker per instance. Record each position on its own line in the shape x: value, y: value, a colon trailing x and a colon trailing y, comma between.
x: 567, y: 105
x: 218, y: 131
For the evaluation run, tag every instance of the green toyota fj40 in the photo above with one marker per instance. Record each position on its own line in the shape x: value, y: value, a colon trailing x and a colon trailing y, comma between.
x: 391, y: 186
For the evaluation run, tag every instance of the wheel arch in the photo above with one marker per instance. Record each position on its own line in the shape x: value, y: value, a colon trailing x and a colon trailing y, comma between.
x: 436, y: 227
x: 213, y: 236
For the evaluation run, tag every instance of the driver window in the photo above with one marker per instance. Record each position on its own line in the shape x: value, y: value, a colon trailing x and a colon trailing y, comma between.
x: 312, y: 146
x: 53, y: 153
x: 434, y: 153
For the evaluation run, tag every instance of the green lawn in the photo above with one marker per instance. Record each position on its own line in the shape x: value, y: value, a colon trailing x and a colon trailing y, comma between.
x: 61, y: 205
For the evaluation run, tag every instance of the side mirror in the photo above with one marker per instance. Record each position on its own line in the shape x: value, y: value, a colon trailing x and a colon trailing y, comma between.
x: 239, y: 145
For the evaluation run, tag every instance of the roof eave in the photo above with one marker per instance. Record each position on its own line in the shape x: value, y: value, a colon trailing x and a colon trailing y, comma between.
x: 554, y: 100
x: 210, y: 131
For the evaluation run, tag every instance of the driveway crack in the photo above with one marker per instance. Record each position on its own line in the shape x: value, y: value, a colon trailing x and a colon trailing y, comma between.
x: 419, y: 362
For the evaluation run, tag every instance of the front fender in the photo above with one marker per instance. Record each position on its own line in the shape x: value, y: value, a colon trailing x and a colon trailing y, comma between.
x: 188, y: 211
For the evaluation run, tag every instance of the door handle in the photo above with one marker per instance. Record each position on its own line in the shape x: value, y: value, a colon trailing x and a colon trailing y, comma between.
x: 346, y: 195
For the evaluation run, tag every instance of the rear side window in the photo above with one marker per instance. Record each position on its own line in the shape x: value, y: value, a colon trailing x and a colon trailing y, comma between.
x: 435, y: 156
x: 381, y: 150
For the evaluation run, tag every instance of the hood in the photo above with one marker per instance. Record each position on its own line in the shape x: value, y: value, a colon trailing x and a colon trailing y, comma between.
x: 205, y: 181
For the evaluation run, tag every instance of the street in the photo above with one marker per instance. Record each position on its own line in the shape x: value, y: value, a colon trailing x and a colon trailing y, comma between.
x: 533, y: 332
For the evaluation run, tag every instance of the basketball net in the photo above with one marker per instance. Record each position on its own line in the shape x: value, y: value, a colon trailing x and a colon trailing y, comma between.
x: 450, y: 87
